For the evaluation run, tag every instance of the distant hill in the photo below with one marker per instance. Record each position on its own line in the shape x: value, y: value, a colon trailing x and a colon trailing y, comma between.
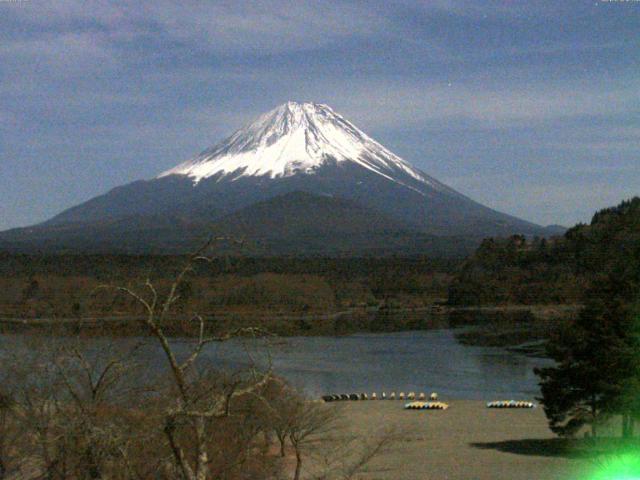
x: 558, y: 270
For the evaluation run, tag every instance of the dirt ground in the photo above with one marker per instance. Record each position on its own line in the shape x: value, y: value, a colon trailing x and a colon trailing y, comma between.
x: 465, y: 442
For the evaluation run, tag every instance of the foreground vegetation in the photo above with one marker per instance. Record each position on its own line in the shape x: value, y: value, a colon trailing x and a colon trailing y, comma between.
x: 79, y: 409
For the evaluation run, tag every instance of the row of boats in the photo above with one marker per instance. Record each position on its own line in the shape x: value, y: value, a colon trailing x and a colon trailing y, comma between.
x: 510, y: 404
x: 426, y: 406
x: 444, y: 406
x: 420, y: 401
x: 383, y: 396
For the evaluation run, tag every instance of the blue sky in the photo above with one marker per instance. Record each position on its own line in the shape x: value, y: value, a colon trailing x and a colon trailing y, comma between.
x: 530, y: 107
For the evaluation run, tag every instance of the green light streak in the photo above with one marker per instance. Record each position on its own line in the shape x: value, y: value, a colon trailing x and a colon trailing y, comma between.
x: 622, y: 466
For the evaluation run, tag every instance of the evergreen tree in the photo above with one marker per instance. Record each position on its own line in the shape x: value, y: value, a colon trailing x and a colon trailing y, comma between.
x: 597, y: 371
x: 572, y: 392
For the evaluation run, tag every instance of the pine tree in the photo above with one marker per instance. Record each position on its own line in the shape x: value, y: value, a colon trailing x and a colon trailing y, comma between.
x: 597, y: 371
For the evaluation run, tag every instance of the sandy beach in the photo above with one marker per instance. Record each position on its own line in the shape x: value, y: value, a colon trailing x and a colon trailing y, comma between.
x: 465, y: 442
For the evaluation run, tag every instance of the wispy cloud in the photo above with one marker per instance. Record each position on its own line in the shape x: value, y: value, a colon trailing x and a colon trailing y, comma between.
x: 127, y: 89
x: 228, y: 28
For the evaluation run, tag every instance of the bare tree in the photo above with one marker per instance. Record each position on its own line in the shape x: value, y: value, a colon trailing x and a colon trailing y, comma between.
x: 196, y: 405
x: 34, y: 412
x: 7, y: 432
x: 97, y: 384
x: 318, y: 435
x: 341, y: 456
x: 310, y: 420
x: 70, y: 406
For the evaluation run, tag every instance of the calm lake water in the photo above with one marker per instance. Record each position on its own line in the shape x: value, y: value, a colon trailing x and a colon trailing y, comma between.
x: 408, y: 361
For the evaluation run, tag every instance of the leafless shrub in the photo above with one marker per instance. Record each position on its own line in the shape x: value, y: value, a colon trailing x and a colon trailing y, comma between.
x: 89, y: 408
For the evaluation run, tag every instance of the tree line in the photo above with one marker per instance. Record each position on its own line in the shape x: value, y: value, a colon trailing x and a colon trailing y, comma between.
x: 63, y: 287
x: 518, y: 270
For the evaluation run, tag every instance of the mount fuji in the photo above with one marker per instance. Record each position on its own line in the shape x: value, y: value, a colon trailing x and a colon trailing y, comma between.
x: 300, y: 179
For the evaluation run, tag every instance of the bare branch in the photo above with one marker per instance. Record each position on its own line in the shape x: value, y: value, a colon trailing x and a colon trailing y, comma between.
x: 136, y: 297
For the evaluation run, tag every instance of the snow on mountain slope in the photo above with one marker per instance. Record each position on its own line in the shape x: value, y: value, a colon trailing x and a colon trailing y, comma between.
x: 291, y: 171
x: 298, y: 138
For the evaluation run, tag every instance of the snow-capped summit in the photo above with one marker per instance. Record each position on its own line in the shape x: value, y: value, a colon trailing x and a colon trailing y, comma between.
x: 300, y: 179
x: 296, y: 138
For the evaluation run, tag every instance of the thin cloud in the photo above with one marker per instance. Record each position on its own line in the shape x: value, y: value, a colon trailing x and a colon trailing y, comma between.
x: 128, y: 89
x: 265, y: 27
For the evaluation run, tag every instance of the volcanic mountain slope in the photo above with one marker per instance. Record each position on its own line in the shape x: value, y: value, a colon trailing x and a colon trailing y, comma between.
x: 297, y: 147
x: 303, y: 222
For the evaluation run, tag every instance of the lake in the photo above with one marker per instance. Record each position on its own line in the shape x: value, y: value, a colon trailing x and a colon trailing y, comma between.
x: 420, y: 361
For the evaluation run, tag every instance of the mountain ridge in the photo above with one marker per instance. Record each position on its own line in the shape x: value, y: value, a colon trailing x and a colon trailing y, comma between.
x: 293, y: 148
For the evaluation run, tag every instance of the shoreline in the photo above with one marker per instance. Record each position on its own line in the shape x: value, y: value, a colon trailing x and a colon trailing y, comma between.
x: 436, y: 308
x: 370, y: 319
